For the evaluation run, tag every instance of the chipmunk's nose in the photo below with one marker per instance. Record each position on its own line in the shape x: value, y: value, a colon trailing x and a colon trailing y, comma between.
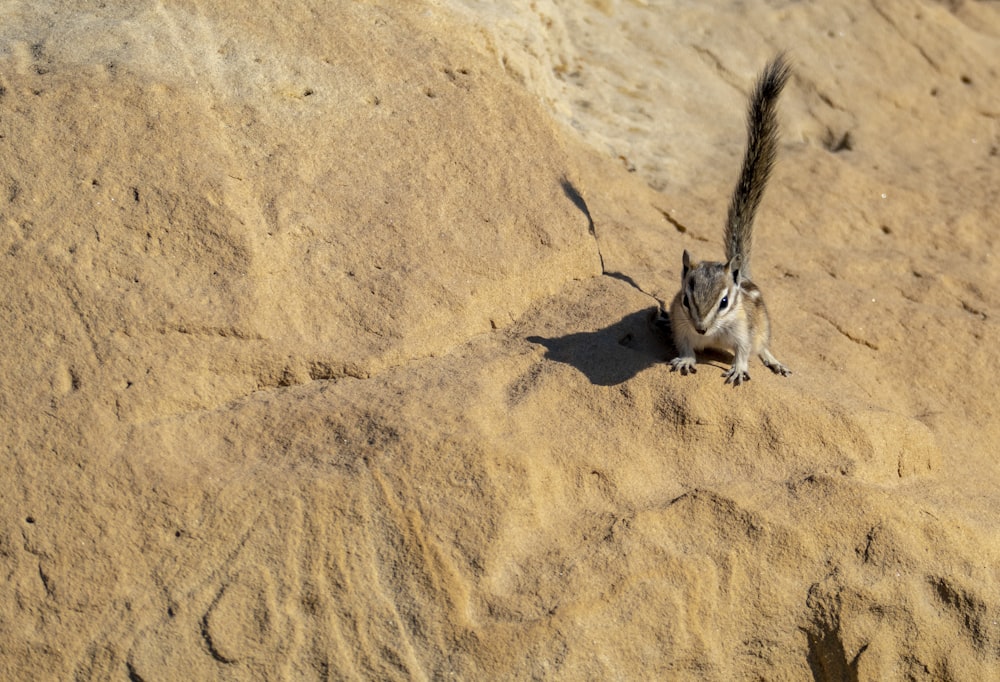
x: 699, y: 330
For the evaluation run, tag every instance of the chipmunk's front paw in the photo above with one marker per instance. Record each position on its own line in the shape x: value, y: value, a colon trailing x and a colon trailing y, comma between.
x: 779, y: 368
x: 736, y: 376
x: 772, y: 363
x: 683, y: 365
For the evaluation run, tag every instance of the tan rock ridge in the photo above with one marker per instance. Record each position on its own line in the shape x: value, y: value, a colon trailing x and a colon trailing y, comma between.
x: 329, y: 350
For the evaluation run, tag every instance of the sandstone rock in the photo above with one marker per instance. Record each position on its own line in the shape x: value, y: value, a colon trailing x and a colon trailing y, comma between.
x: 329, y: 349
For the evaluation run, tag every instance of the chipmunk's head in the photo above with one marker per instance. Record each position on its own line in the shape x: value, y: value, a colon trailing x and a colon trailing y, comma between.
x: 710, y: 293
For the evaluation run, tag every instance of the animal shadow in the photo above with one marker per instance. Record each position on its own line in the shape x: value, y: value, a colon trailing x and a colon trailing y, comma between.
x: 615, y: 354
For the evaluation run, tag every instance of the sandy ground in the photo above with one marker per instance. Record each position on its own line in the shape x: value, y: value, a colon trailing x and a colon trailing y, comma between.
x: 327, y: 347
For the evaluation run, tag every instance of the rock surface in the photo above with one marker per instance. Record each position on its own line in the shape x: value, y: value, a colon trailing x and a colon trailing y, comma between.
x: 328, y: 352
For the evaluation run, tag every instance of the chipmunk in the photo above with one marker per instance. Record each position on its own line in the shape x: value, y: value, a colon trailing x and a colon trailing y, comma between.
x: 718, y: 306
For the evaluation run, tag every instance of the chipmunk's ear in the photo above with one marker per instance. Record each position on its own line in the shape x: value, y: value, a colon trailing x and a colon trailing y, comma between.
x: 733, y: 267
x: 686, y: 261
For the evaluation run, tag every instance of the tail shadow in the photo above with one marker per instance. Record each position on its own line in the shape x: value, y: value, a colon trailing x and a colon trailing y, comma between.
x: 574, y: 195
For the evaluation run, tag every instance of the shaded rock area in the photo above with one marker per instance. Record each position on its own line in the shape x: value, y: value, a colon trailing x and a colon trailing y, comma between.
x: 330, y: 347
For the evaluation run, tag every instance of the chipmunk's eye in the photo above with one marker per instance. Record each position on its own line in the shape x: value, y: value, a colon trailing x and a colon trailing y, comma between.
x: 686, y: 303
x: 723, y: 303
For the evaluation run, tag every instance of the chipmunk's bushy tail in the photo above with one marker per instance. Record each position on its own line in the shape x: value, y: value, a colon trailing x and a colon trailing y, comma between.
x: 762, y: 141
